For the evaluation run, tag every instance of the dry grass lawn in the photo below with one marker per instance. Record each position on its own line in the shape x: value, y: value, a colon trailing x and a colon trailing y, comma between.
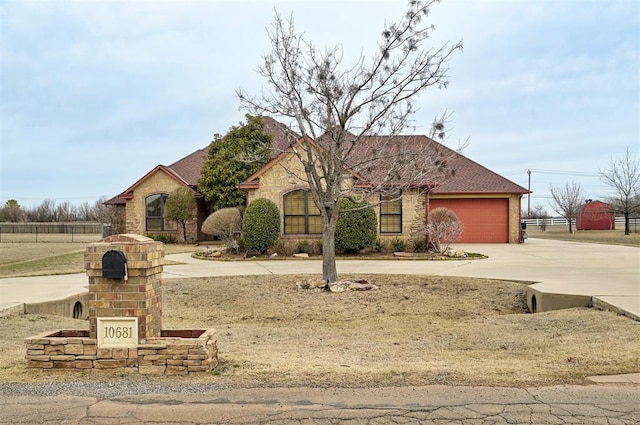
x: 54, y: 254
x: 413, y: 331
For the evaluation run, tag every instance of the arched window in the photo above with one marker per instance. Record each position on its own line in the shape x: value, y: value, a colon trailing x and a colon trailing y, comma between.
x: 155, y: 212
x: 301, y: 216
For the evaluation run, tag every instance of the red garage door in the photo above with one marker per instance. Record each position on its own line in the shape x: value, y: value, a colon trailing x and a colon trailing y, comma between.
x: 484, y: 220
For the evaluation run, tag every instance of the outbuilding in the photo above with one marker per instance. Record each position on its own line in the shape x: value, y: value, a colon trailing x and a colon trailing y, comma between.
x: 596, y: 215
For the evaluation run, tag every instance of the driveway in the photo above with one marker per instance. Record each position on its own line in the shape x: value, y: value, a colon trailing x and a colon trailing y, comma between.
x: 605, y: 272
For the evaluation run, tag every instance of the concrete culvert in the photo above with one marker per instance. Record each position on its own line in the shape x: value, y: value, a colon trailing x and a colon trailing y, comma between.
x: 534, y: 304
x: 77, y: 310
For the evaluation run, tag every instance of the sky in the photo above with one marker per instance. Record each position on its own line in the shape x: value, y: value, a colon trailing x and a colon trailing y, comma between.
x: 94, y: 94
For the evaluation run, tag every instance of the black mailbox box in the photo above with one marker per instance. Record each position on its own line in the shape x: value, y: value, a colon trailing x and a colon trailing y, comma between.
x: 114, y: 265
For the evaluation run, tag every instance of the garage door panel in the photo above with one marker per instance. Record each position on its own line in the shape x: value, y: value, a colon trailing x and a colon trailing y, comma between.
x: 484, y: 220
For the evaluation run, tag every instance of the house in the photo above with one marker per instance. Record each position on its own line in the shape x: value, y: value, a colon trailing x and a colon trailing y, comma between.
x: 596, y: 215
x: 487, y: 204
x: 140, y: 207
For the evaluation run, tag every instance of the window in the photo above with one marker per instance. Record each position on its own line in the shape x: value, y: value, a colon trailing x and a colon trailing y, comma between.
x: 390, y: 214
x: 301, y: 216
x: 155, y: 212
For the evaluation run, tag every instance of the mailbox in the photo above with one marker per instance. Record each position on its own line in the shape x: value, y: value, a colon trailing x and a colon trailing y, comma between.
x: 114, y: 265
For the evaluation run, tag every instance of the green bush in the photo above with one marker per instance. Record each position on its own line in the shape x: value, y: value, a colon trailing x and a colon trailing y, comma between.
x: 356, y: 228
x: 399, y: 245
x: 419, y: 245
x: 260, y: 226
x: 168, y: 239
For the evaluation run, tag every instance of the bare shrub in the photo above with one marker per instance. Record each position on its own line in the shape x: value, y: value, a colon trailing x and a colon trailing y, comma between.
x: 224, y: 224
x: 443, y: 229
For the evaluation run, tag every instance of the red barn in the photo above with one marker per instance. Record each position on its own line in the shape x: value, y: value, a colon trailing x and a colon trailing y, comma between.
x: 596, y: 215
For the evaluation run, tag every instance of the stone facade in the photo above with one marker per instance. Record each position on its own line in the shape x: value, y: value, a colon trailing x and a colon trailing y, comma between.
x: 158, y: 182
x: 281, y: 179
x: 179, y: 352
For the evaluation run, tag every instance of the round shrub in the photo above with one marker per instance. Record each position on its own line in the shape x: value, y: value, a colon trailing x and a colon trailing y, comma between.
x: 260, y: 226
x: 356, y: 228
x: 224, y: 224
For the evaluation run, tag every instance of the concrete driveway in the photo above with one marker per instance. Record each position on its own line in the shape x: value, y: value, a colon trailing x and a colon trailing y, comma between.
x: 567, y: 274
x: 605, y: 273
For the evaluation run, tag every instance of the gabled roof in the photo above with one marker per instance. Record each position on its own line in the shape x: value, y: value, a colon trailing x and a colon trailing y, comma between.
x: 468, y: 176
x: 189, y: 167
x: 472, y: 178
x: 187, y: 170
x: 465, y: 176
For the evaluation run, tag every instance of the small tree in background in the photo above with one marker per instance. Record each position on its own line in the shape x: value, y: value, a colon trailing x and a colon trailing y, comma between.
x: 224, y: 224
x: 623, y: 176
x: 181, y: 207
x: 260, y: 226
x: 356, y: 227
x: 443, y: 229
x: 568, y: 201
x: 12, y: 212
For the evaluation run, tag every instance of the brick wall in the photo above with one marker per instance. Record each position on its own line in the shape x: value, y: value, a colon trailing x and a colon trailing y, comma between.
x: 139, y: 296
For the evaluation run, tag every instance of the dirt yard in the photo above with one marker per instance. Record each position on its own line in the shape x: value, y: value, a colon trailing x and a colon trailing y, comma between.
x: 412, y: 331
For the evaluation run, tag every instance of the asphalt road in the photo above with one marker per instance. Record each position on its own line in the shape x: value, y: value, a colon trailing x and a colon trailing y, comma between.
x: 611, y: 404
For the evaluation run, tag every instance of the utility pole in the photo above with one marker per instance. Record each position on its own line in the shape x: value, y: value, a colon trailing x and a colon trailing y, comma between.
x: 529, y: 196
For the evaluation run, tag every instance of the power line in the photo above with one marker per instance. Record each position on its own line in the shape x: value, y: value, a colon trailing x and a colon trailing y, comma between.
x: 566, y: 173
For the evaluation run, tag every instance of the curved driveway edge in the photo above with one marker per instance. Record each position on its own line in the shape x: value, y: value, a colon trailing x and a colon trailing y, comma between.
x: 566, y: 274
x: 607, y: 274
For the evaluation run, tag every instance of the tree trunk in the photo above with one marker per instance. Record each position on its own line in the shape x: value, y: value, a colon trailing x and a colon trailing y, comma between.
x: 570, y: 226
x: 329, y: 269
x: 627, y: 225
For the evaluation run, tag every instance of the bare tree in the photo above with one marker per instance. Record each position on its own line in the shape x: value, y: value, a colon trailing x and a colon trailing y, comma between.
x: 443, y: 229
x: 568, y: 200
x: 45, y: 212
x: 623, y: 176
x: 66, y: 212
x: 339, y: 112
x: 84, y: 212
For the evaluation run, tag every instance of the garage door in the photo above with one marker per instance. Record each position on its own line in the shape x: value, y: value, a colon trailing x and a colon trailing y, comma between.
x: 484, y: 220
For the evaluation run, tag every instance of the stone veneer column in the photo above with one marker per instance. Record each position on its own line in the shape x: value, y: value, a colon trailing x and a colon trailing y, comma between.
x: 139, y: 296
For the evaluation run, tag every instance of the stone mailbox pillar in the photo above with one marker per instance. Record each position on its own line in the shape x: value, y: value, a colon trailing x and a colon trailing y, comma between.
x: 116, y: 303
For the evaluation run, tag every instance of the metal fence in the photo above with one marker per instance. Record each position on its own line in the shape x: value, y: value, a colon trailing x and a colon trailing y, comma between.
x: 51, y: 232
x: 72, y: 227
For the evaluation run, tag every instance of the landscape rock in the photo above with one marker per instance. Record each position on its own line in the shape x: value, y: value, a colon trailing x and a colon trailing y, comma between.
x: 459, y: 253
x: 339, y: 286
x: 301, y: 255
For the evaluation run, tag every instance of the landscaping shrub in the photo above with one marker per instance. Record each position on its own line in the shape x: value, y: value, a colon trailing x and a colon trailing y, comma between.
x: 419, y: 245
x: 168, y: 239
x: 260, y: 226
x: 224, y: 224
x: 443, y: 229
x: 356, y: 228
x: 399, y: 245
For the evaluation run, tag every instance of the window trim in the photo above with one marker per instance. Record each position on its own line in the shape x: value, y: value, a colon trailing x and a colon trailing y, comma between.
x: 394, y: 214
x: 306, y: 199
x: 147, y: 217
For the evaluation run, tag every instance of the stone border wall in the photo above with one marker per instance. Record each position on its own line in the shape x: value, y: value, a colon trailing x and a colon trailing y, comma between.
x: 179, y: 352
